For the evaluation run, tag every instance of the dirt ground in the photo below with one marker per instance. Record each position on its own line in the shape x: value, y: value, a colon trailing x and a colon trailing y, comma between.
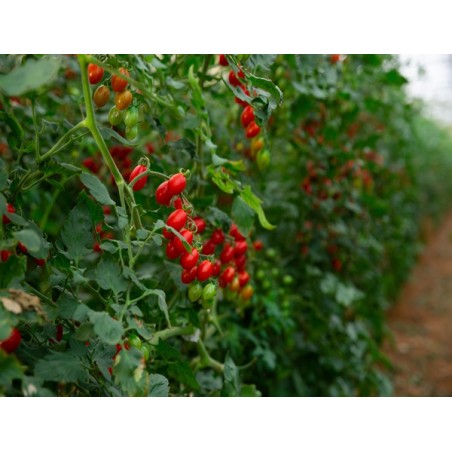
x: 421, y: 323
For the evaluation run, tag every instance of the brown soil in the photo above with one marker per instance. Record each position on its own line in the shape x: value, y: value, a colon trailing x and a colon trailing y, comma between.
x: 421, y: 323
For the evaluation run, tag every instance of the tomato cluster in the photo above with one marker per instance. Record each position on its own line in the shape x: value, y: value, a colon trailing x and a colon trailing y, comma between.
x: 123, y: 110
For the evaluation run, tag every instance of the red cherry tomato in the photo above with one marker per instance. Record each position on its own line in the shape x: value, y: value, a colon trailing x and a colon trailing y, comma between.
x: 233, y: 80
x: 178, y: 244
x: 168, y: 234
x: 177, y: 184
x: 171, y: 251
x: 22, y: 248
x: 188, y: 276
x: 10, y: 344
x: 119, y: 84
x: 177, y: 204
x: 95, y: 73
x: 101, y: 96
x: 252, y: 130
x: 335, y: 58
x: 240, y: 101
x: 223, y: 61
x: 208, y: 247
x: 227, y: 254
x: 91, y: 164
x: 228, y: 274
x: 204, y: 270
x: 5, y: 255
x: 40, y: 262
x: 189, y: 260
x: 140, y: 183
x: 240, y: 261
x: 10, y: 209
x: 258, y: 245
x: 177, y: 219
x: 59, y: 333
x: 234, y: 232
x: 217, y: 237
x: 200, y: 225
x: 216, y: 268
x: 240, y: 247
x: 244, y: 278
x: 247, y: 116
x: 162, y: 194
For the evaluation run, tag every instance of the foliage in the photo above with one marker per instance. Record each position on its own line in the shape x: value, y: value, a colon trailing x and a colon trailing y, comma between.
x: 302, y: 224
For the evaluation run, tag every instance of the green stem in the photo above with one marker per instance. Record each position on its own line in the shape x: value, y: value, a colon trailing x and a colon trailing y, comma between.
x: 207, y: 360
x: 171, y: 332
x: 35, y: 125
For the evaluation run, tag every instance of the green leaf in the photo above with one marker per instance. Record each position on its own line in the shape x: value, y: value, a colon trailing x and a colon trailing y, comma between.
x: 108, y: 329
x: 64, y: 367
x: 109, y: 275
x: 249, y: 391
x: 32, y: 75
x: 13, y: 271
x: 181, y: 371
x: 30, y: 239
x: 255, y: 203
x: 222, y: 180
x: 77, y: 233
x: 97, y: 189
x: 10, y: 369
x: 84, y: 332
x: 346, y: 295
x: 17, y: 134
x: 161, y: 302
x: 243, y: 215
x: 159, y: 386
x: 129, y: 371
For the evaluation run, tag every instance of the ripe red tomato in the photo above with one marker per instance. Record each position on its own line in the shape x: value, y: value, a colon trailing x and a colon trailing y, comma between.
x: 217, y: 237
x: 240, y: 247
x: 200, y: 225
x: 247, y: 116
x: 244, y: 278
x: 119, y: 84
x: 228, y: 275
x: 91, y: 164
x: 40, y: 262
x: 22, y: 248
x: 168, y: 234
x: 59, y: 332
x: 10, y: 344
x: 177, y: 204
x: 240, y: 261
x: 258, y: 245
x: 177, y: 219
x: 216, y: 268
x: 95, y: 73
x: 223, y: 61
x: 208, y: 247
x: 171, y: 251
x: 227, y: 254
x: 10, y: 209
x: 177, y: 184
x: 101, y: 96
x: 123, y: 99
x: 162, y: 194
x: 189, y: 276
x: 240, y: 101
x: 178, y: 244
x: 189, y: 260
x: 5, y: 255
x: 234, y: 232
x: 204, y: 270
x: 233, y: 80
x: 335, y: 58
x: 252, y: 130
x: 140, y: 184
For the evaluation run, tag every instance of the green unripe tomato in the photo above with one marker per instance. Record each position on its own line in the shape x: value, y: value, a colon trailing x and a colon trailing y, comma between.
x: 260, y: 274
x: 131, y: 132
x: 275, y: 271
x: 131, y: 117
x: 266, y: 284
x: 209, y: 292
x: 134, y: 341
x: 194, y: 292
x: 271, y: 253
x: 115, y: 116
x: 146, y: 352
x: 263, y: 159
x: 287, y: 279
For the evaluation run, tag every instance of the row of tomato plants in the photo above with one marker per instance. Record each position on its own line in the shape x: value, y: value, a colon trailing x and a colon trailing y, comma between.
x: 207, y: 224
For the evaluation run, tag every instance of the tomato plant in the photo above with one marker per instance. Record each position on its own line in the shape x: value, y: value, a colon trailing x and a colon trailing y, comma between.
x: 227, y: 225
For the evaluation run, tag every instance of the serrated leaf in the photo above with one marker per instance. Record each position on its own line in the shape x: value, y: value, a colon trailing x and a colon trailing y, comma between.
x: 77, y: 233
x: 109, y: 275
x: 222, y: 180
x: 107, y: 328
x: 161, y: 295
x: 159, y: 386
x: 255, y: 203
x: 62, y: 367
x: 97, y: 189
x: 242, y: 215
x: 12, y: 271
x: 32, y: 75
x: 128, y: 371
x: 181, y: 371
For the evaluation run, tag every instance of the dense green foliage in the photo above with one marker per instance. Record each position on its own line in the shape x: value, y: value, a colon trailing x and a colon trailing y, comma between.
x: 316, y: 217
